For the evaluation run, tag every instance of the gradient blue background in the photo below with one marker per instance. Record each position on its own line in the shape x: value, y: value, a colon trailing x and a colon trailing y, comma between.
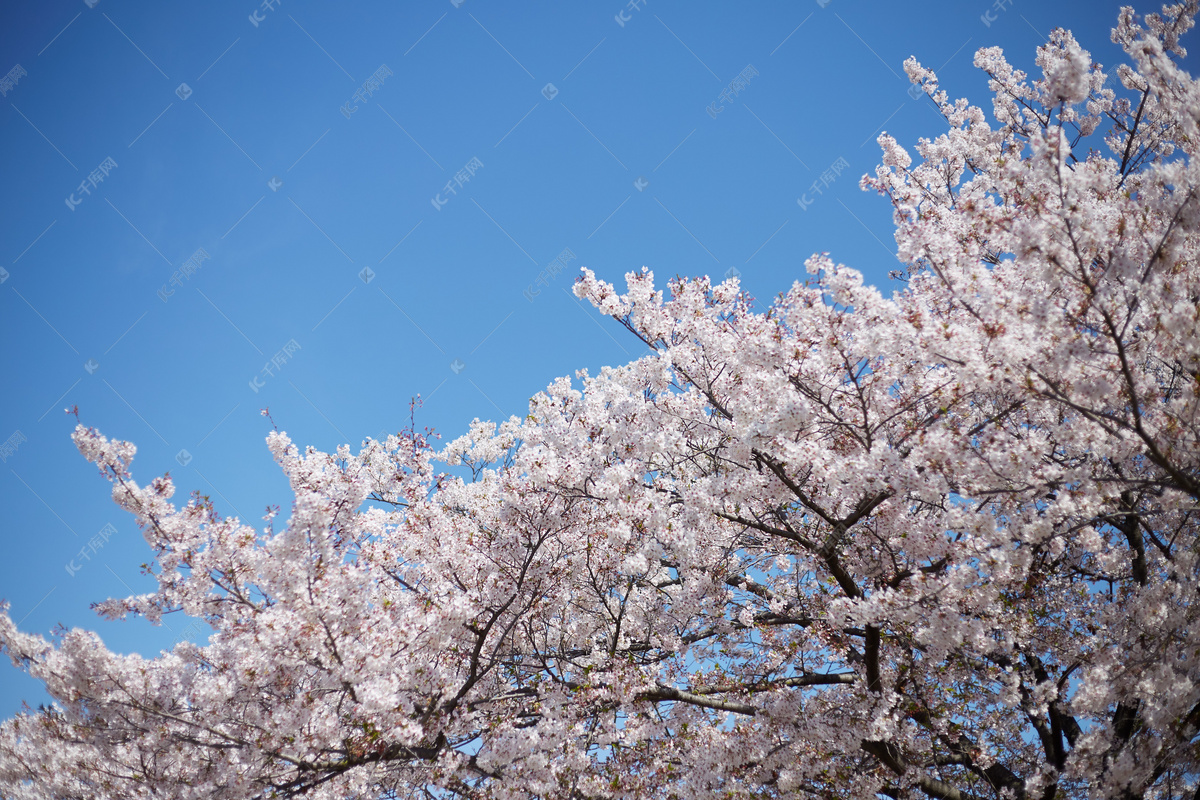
x: 287, y: 263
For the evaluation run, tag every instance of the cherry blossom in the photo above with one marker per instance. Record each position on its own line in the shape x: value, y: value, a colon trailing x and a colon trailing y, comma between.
x: 940, y: 544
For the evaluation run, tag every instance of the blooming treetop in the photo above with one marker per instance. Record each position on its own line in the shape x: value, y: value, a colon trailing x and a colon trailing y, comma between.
x: 941, y: 544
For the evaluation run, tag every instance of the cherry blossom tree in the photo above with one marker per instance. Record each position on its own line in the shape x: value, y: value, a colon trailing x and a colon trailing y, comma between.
x: 943, y: 544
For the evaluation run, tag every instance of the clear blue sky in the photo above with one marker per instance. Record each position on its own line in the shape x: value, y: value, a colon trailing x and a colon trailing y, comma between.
x: 334, y: 247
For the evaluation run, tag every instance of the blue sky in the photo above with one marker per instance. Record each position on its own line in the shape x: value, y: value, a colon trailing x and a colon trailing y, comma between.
x: 211, y: 208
